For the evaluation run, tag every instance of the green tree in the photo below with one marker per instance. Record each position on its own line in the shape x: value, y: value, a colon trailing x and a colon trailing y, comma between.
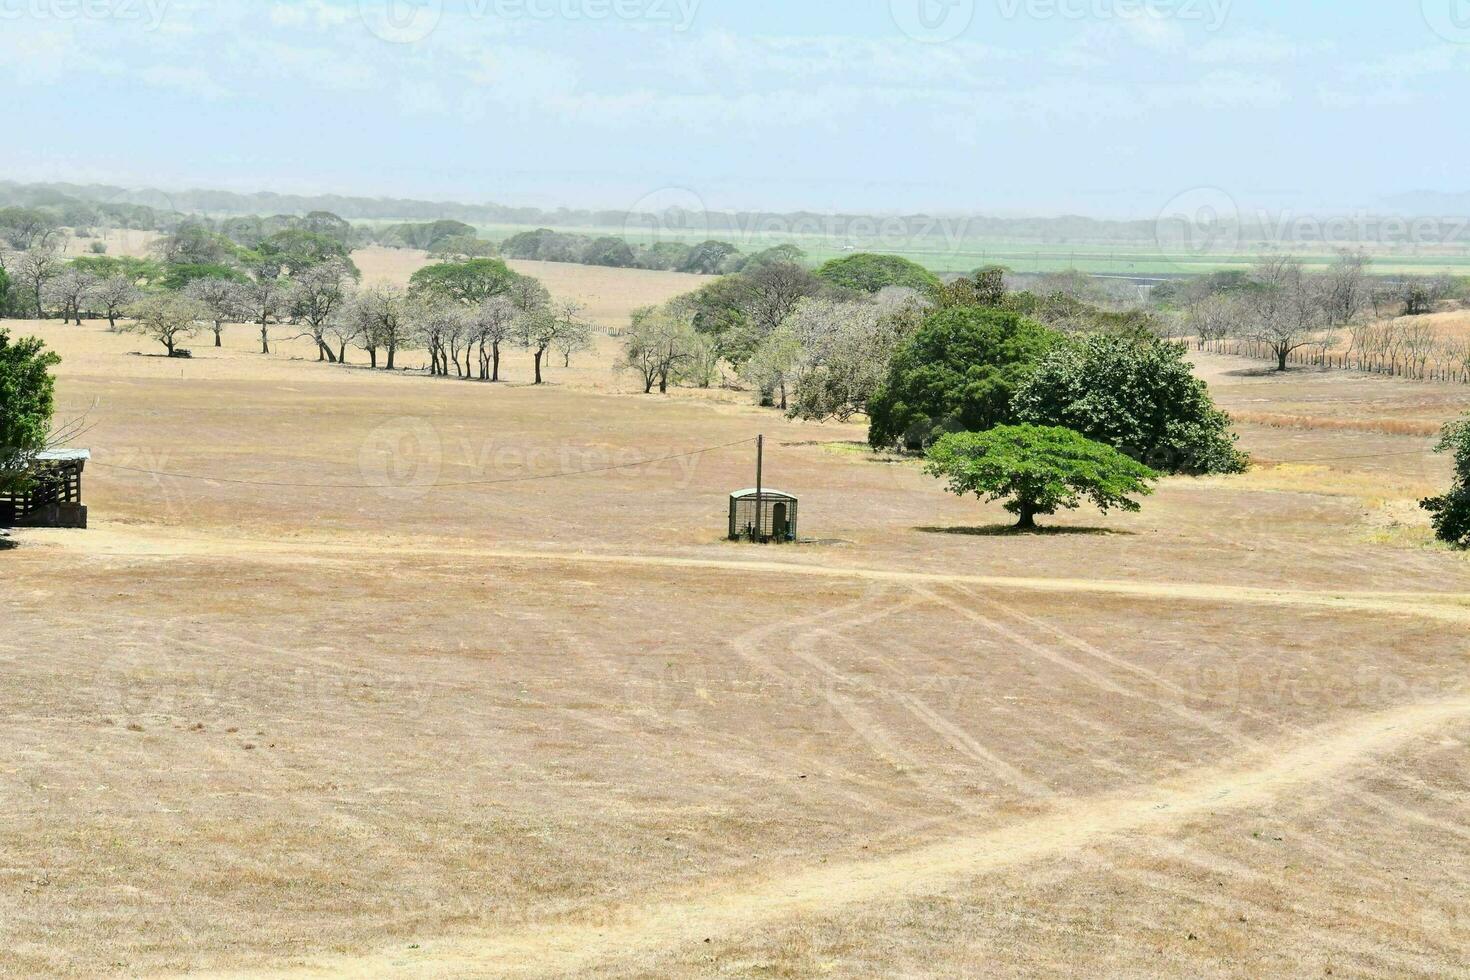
x: 872, y: 273
x: 1135, y: 394
x: 958, y: 372
x: 294, y: 250
x: 1451, y: 513
x: 708, y: 258
x: 608, y: 251
x: 468, y: 283
x: 1038, y: 470
x: 176, y: 277
x: 27, y: 394
x: 165, y: 317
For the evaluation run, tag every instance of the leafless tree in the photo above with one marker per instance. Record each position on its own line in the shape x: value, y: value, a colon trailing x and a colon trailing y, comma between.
x: 34, y: 268
x: 380, y: 315
x: 225, y: 300
x: 166, y: 317
x: 1288, y: 311
x: 492, y: 324
x: 538, y: 330
x: 1347, y: 287
x: 264, y: 302
x: 314, y: 296
x: 112, y: 296
x: 67, y: 293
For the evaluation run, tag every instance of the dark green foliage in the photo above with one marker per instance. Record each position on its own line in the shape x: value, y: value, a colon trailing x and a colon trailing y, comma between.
x: 5, y: 294
x: 708, y: 258
x: 426, y: 235
x: 611, y: 252
x: 957, y: 373
x: 1137, y: 394
x: 871, y: 273
x: 292, y: 251
x: 1451, y: 513
x: 26, y: 402
x: 469, y: 283
x: 176, y: 277
x: 1038, y: 470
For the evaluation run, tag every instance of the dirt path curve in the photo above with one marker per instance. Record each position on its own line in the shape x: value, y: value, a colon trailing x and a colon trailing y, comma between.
x: 165, y: 543
x: 732, y: 907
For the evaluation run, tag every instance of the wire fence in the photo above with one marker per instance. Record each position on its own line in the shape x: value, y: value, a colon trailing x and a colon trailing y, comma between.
x: 1411, y: 368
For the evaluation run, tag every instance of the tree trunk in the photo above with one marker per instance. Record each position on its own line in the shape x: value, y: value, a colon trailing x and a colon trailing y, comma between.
x: 540, y: 352
x: 265, y: 337
x: 1027, y: 520
x: 342, y: 352
x: 1281, y: 356
x: 392, y: 350
x: 168, y: 345
x: 112, y: 322
x: 219, y: 329
x: 495, y: 357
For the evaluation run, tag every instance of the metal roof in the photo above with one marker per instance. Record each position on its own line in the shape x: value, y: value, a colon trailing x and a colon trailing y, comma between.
x: 764, y: 492
x: 63, y: 455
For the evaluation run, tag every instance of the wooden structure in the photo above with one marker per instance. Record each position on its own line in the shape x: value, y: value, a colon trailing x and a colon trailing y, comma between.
x: 764, y: 516
x: 55, y: 496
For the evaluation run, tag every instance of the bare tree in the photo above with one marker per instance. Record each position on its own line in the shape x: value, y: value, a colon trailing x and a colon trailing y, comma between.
x: 67, y: 292
x: 1289, y: 311
x: 847, y: 349
x: 314, y: 296
x: 165, y: 318
x: 442, y: 328
x: 1346, y: 291
x: 264, y: 302
x: 112, y: 296
x: 34, y: 268
x: 381, y: 321
x: 492, y: 324
x: 539, y: 329
x: 1212, y: 318
x: 224, y: 300
x: 1420, y: 295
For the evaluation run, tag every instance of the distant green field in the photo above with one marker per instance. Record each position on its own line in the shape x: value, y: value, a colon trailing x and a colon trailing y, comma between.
x: 964, y: 255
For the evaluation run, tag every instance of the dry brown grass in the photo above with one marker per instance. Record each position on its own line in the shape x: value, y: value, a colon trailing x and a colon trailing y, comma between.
x: 405, y: 732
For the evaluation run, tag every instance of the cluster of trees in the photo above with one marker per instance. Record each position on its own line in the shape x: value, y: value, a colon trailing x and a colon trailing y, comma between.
x: 1285, y: 308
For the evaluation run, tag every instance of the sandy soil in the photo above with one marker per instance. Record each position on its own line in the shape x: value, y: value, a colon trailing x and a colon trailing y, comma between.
x: 337, y: 699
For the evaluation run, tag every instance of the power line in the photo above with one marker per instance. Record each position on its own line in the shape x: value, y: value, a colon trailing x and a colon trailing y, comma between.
x: 432, y: 486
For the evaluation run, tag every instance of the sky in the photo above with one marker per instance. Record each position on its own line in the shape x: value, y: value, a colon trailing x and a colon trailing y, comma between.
x: 1111, y: 108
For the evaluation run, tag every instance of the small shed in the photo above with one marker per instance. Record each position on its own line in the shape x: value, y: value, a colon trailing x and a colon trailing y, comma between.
x: 54, y: 498
x: 772, y: 517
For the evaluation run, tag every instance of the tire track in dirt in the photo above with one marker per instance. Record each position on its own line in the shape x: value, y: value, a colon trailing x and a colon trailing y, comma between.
x: 558, y: 947
x: 1443, y: 607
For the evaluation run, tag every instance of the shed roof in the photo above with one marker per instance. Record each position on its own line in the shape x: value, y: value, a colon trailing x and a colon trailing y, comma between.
x: 764, y: 492
x: 63, y: 455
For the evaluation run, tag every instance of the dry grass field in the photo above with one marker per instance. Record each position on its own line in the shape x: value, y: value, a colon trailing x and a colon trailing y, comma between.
x: 345, y: 702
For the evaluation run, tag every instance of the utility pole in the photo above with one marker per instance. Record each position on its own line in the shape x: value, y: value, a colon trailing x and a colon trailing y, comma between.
x: 760, y: 458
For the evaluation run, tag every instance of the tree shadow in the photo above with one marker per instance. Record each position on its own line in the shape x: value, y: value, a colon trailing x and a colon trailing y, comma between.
x: 1010, y: 530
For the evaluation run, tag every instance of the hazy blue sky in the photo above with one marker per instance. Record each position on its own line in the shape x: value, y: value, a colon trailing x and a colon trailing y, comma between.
x: 1108, y: 107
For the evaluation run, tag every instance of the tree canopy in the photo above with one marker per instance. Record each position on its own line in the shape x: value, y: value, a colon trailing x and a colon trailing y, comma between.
x: 27, y: 393
x: 469, y: 283
x: 869, y: 273
x: 1451, y: 512
x: 1136, y: 394
x: 958, y: 372
x: 1038, y: 470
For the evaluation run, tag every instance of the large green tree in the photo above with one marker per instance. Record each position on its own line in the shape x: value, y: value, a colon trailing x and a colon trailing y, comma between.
x: 1138, y: 395
x: 27, y: 400
x: 468, y: 283
x: 869, y: 273
x: 1451, y: 513
x: 1038, y: 470
x: 958, y: 372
